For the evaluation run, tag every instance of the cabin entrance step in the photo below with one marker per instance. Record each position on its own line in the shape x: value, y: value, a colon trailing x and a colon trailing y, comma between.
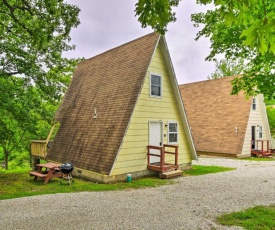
x: 171, y: 174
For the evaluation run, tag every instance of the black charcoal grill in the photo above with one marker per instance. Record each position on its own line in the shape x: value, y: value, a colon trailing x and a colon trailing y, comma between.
x: 66, y: 170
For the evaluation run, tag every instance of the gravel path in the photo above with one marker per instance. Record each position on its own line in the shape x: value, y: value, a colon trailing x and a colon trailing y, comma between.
x: 190, y: 203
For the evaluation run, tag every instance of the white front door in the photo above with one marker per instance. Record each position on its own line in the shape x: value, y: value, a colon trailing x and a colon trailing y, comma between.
x: 155, y: 138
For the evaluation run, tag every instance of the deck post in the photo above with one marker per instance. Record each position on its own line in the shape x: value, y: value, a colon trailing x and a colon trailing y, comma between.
x: 35, y: 161
x: 162, y: 158
x: 148, y: 155
x: 176, y: 155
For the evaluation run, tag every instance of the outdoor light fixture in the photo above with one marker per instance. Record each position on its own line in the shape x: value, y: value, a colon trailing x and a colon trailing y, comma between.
x: 95, y: 114
x: 236, y: 129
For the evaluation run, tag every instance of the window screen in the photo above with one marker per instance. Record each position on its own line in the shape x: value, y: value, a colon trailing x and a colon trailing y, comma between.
x: 155, y: 85
x: 172, y: 132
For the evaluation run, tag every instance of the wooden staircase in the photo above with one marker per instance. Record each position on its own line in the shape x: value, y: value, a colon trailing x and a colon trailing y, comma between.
x: 171, y: 174
x: 166, y: 170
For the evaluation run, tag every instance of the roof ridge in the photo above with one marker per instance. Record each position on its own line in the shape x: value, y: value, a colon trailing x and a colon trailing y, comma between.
x: 119, y: 46
x: 207, y: 80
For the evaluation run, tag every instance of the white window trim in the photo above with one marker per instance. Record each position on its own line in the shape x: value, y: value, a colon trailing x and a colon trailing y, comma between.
x: 168, y: 140
x: 160, y: 85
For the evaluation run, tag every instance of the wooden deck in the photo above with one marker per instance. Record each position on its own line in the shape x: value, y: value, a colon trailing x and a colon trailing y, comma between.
x: 261, y: 149
x: 162, y: 166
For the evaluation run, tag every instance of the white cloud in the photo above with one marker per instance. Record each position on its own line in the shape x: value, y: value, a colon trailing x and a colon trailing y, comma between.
x: 107, y: 24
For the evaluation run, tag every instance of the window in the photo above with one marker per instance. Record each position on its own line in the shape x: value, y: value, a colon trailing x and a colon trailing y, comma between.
x: 260, y: 131
x: 155, y: 85
x: 172, y: 132
x: 254, y: 103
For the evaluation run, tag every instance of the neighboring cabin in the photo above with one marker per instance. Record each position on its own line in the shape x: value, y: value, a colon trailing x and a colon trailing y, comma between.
x: 117, y: 104
x: 223, y: 124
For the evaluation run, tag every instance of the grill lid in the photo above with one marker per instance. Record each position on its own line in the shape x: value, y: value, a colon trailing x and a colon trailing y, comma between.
x: 67, y: 166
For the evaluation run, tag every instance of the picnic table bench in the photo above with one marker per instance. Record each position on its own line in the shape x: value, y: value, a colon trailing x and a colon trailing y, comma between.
x: 52, y: 170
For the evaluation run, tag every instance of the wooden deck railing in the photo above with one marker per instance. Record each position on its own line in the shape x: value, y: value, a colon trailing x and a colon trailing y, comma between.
x: 39, y: 149
x: 162, y: 166
x: 260, y: 149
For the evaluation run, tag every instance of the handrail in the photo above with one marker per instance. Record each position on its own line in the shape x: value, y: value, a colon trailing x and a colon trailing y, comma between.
x: 162, y: 153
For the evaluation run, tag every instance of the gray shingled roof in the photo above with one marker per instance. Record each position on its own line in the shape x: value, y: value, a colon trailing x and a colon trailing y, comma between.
x: 213, y: 114
x: 110, y: 84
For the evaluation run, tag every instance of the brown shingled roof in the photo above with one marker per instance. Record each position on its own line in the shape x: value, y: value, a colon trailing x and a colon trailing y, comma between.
x: 213, y: 114
x: 109, y: 84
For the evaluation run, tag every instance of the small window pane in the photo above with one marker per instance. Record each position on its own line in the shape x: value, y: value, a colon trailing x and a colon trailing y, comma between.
x: 254, y: 104
x: 155, y: 80
x: 172, y: 132
x: 173, y: 127
x: 155, y: 85
x: 155, y: 90
x: 260, y: 131
x: 173, y: 137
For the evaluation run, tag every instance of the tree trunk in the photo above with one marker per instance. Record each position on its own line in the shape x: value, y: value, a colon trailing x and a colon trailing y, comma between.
x: 6, y: 152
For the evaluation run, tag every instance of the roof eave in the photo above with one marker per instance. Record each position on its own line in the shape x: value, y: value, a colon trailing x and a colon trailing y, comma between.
x: 174, y: 83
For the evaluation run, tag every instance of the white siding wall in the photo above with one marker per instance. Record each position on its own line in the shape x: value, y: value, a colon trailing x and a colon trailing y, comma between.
x: 256, y: 118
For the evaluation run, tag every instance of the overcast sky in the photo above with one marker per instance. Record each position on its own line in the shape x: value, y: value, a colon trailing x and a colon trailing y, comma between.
x: 106, y: 24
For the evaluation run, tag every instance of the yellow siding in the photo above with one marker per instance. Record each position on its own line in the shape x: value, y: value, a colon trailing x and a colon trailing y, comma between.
x: 256, y: 117
x: 133, y: 154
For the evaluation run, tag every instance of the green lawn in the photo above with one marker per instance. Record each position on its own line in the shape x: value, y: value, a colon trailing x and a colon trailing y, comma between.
x: 18, y: 183
x: 202, y: 170
x: 257, y: 159
x: 257, y: 218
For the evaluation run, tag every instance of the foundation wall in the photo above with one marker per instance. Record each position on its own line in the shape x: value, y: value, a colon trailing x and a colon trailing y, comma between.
x: 97, y: 177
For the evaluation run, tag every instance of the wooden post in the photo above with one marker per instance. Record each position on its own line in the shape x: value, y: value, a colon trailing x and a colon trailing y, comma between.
x: 161, y: 158
x: 35, y: 161
x: 148, y: 155
x: 176, y: 155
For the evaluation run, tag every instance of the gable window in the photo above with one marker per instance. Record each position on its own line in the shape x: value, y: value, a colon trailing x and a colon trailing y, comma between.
x: 172, y: 132
x: 155, y: 83
x: 254, y: 103
x: 260, y: 131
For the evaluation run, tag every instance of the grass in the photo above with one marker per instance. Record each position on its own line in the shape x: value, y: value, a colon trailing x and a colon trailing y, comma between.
x: 202, y: 170
x: 18, y: 183
x: 258, y: 159
x: 256, y: 218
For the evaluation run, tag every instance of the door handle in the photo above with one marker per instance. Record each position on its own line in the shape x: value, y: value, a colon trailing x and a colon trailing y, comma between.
x: 160, y: 143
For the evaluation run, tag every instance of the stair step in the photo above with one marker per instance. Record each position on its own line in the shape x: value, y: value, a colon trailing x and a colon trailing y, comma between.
x: 171, y: 174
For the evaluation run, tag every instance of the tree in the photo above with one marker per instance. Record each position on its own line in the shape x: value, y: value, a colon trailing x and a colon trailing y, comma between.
x: 33, y: 73
x: 156, y: 13
x: 227, y: 67
x: 18, y: 104
x: 271, y: 118
x: 237, y: 28
x: 270, y: 109
x: 33, y: 35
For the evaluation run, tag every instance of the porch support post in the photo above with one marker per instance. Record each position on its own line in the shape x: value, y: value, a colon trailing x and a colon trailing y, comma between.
x: 161, y: 158
x: 148, y: 155
x: 176, y: 155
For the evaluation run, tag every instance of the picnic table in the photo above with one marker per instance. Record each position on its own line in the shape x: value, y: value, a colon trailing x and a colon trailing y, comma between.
x: 46, y: 171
